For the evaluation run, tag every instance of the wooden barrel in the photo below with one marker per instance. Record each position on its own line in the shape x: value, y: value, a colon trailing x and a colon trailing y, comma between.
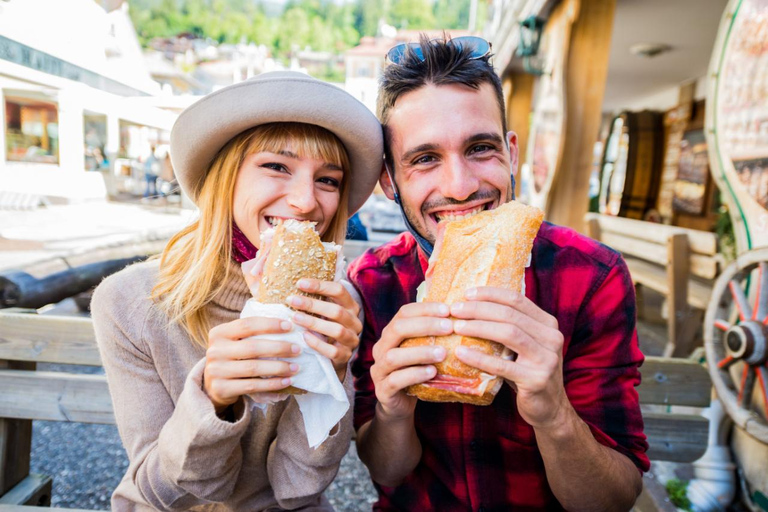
x: 631, y: 164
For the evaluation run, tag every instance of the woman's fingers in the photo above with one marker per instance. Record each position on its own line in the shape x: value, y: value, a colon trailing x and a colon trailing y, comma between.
x: 251, y: 349
x: 334, y: 290
x: 246, y: 327
x: 329, y: 310
x: 336, y: 352
x: 251, y: 368
x: 231, y: 389
x: 332, y: 330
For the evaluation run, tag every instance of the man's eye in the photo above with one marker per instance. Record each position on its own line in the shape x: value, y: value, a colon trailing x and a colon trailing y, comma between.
x: 424, y: 160
x: 481, y: 148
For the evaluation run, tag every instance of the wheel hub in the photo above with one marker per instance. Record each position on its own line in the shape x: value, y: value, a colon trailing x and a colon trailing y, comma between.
x: 747, y: 341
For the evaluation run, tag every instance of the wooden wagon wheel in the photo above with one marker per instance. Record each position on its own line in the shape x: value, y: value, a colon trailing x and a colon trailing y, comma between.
x: 736, y: 342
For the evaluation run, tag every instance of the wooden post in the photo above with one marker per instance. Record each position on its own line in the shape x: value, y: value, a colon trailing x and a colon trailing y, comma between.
x: 678, y: 272
x: 15, y: 441
x: 585, y: 76
x: 518, y: 89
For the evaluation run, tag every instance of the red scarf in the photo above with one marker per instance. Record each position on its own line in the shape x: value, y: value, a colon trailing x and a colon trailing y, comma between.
x: 242, y: 248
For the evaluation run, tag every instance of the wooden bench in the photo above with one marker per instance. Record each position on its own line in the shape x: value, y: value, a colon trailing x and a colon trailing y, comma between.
x: 679, y: 263
x: 28, y: 394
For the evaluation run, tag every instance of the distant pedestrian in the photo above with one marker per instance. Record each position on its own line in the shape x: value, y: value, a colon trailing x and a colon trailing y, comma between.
x: 151, y: 171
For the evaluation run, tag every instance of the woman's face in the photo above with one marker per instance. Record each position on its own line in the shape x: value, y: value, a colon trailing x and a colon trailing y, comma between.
x: 282, y: 185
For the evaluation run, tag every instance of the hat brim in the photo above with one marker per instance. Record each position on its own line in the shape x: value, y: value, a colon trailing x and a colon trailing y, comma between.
x: 206, y: 126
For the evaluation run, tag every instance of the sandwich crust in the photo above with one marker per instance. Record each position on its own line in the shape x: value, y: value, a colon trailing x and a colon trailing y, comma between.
x: 491, y: 248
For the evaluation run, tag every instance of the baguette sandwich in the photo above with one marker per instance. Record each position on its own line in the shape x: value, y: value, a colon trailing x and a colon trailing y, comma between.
x: 290, y: 251
x: 491, y: 248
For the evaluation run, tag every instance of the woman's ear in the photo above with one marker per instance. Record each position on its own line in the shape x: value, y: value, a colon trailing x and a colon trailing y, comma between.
x: 385, y: 180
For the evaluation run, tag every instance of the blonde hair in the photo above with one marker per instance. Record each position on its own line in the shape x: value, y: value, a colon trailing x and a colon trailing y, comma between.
x: 196, y: 261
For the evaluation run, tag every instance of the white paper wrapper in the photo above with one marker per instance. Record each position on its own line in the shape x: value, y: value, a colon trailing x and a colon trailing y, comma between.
x: 326, y: 403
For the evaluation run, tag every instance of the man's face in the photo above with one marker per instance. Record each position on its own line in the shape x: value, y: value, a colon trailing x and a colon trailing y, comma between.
x: 450, y: 155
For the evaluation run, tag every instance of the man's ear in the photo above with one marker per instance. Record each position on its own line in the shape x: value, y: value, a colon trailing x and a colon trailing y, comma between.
x: 514, y: 151
x: 386, y: 183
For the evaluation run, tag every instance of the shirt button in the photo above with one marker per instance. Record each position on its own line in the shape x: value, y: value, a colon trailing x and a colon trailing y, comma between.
x: 473, y: 445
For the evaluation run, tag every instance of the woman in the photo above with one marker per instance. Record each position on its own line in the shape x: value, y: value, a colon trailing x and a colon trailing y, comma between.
x: 280, y: 145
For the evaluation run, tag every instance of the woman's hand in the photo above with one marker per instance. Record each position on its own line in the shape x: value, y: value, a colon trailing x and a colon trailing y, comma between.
x: 338, y: 321
x: 234, y: 364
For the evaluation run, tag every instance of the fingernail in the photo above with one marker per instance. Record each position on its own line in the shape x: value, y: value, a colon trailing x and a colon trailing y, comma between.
x: 461, y: 351
x: 294, y: 301
x: 294, y: 367
x: 443, y: 309
x: 459, y: 324
x: 287, y: 382
x: 471, y: 293
x: 458, y: 306
x: 430, y: 371
x: 285, y: 325
x: 295, y: 348
x: 446, y: 325
x: 300, y: 317
x: 303, y: 283
x: 438, y: 353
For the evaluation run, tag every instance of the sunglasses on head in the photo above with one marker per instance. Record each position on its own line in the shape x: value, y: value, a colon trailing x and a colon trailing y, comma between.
x: 478, y: 47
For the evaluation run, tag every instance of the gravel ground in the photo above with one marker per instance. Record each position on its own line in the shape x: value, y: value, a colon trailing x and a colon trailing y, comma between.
x: 88, y: 461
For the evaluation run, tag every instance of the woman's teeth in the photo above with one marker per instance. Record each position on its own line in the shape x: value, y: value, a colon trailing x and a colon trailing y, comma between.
x: 450, y: 217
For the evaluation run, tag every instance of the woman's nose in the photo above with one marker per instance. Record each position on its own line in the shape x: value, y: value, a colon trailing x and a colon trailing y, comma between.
x: 301, y: 196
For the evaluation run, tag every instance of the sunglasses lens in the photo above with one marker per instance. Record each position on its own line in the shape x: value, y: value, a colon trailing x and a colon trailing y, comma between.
x: 477, y: 45
x: 396, y: 53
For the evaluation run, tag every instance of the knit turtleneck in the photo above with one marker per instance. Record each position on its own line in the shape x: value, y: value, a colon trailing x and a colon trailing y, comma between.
x: 235, y: 292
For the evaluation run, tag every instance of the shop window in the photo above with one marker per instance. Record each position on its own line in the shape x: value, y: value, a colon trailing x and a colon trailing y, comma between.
x: 31, y: 131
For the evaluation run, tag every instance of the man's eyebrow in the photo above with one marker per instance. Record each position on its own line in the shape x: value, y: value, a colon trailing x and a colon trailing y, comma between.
x: 418, y: 149
x: 488, y: 137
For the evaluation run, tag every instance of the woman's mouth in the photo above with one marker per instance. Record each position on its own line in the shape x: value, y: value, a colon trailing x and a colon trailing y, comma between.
x: 273, y: 220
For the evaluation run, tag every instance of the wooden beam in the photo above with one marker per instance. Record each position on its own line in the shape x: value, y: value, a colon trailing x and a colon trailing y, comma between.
x: 55, y: 396
x: 680, y: 327
x: 15, y: 439
x: 519, y: 99
x: 643, y: 249
x: 675, y: 437
x: 585, y: 75
x: 49, y: 339
x: 35, y: 490
x: 674, y: 381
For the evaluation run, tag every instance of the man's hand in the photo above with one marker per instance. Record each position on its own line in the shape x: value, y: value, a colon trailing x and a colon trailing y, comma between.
x: 511, y: 319
x: 396, y: 368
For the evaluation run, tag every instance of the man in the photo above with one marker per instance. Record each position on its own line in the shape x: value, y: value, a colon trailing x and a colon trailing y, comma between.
x: 566, y: 432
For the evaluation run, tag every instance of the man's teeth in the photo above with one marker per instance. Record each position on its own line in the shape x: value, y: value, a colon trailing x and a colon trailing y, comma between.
x: 450, y: 217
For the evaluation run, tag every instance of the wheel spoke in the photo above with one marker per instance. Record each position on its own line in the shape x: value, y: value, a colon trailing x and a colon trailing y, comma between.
x: 762, y: 377
x: 761, y: 297
x: 722, y: 325
x: 726, y: 363
x: 747, y: 386
x: 740, y: 300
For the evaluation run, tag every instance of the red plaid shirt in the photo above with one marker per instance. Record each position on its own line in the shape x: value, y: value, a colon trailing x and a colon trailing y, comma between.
x: 486, y: 458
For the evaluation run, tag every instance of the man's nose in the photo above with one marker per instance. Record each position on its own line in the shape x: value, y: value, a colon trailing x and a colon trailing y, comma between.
x: 301, y: 195
x: 458, y: 180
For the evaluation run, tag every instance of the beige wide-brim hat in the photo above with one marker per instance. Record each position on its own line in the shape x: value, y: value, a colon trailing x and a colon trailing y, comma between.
x: 206, y: 126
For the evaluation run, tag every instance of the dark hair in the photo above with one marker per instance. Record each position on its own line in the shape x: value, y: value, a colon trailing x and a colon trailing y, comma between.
x: 443, y: 64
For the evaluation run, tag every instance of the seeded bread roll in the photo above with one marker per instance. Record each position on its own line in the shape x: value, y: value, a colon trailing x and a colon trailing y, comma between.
x: 296, y: 252
x: 491, y: 248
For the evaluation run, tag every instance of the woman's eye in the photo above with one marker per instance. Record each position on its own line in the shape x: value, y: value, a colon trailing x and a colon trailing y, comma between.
x: 330, y: 181
x: 274, y: 166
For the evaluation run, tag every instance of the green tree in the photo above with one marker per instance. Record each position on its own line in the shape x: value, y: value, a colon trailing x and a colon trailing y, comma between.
x: 452, y: 13
x: 412, y: 14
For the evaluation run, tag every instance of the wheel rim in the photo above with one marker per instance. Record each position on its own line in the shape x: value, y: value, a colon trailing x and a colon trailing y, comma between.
x: 735, y: 339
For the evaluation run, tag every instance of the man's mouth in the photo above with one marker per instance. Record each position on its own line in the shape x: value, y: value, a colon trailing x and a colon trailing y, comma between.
x: 459, y: 213
x: 274, y: 220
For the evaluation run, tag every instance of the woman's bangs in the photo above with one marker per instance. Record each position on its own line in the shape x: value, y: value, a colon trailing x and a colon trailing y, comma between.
x: 306, y: 140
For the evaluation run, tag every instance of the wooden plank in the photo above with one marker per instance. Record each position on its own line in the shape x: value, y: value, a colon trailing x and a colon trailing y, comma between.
x: 699, y: 294
x: 35, y: 490
x: 15, y: 438
x: 648, y: 274
x: 55, y: 396
x: 49, y: 339
x: 674, y: 381
x: 678, y: 343
x: 649, y: 251
x: 700, y: 242
x: 676, y: 437
x: 705, y: 267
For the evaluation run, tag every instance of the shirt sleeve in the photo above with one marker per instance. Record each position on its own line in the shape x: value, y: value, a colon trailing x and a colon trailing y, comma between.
x: 601, y: 366
x: 180, y: 455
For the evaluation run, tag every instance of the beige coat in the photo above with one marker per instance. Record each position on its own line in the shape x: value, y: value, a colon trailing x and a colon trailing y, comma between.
x: 182, y: 456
